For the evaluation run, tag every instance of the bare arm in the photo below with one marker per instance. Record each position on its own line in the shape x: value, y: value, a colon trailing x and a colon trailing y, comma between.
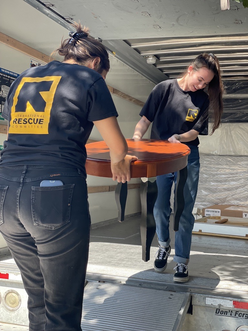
x: 141, y: 128
x: 184, y: 137
x: 120, y: 161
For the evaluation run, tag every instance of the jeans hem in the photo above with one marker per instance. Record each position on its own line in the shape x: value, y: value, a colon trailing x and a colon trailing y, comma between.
x: 179, y: 259
x: 164, y: 243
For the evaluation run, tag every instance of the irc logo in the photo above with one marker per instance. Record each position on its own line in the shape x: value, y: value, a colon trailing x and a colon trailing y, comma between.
x: 192, y: 115
x: 32, y: 104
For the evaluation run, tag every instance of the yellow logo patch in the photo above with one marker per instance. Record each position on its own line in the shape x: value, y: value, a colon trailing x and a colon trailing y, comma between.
x: 30, y: 112
x: 192, y: 115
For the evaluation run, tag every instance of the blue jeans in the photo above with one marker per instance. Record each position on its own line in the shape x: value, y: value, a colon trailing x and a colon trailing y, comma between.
x: 162, y: 208
x: 47, y: 231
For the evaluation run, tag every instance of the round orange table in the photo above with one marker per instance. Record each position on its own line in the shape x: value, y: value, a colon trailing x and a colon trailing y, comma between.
x: 155, y: 157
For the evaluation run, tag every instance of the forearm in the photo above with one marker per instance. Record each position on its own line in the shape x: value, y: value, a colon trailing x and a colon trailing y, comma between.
x: 120, y: 161
x: 118, y: 154
x: 184, y: 137
x: 141, y: 128
x: 112, y: 135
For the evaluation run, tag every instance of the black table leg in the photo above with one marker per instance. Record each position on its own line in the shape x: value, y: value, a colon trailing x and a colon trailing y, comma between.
x: 148, y: 196
x: 179, y: 199
x: 121, y: 198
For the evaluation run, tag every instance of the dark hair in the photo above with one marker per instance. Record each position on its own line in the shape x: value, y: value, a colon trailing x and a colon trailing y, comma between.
x: 215, y: 87
x: 81, y: 47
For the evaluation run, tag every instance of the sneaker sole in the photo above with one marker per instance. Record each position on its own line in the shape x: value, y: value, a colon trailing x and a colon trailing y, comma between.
x: 160, y: 269
x: 180, y: 280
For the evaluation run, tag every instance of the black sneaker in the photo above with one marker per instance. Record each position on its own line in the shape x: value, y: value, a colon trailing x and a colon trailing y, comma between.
x: 160, y: 262
x: 181, y: 275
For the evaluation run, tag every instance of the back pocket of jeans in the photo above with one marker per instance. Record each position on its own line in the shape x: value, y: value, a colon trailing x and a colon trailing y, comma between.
x: 3, y: 191
x: 51, y: 206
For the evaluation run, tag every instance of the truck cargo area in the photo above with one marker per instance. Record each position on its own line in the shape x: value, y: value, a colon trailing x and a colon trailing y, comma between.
x: 124, y: 293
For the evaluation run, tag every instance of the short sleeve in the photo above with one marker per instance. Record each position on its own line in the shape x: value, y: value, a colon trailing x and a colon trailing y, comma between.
x: 100, y: 102
x: 153, y: 102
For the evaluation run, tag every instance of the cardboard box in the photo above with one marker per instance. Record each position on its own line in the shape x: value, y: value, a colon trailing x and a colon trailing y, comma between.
x: 233, y: 228
x: 226, y: 210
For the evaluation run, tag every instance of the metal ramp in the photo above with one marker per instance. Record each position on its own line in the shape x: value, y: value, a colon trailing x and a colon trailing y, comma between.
x: 107, y: 306
x: 112, y: 307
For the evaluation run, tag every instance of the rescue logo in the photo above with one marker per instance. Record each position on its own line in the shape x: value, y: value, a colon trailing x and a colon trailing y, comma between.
x: 192, y: 114
x: 30, y: 114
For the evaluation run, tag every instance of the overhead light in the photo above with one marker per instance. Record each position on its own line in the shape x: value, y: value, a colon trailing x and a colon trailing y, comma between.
x: 224, y: 4
x: 151, y: 59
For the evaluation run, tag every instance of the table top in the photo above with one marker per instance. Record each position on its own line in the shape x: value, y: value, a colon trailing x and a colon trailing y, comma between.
x: 155, y: 157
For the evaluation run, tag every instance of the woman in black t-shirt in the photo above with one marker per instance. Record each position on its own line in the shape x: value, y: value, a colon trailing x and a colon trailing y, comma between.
x: 178, y: 110
x: 44, y: 214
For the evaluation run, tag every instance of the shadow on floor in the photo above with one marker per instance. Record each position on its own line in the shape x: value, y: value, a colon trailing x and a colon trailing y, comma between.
x: 215, y: 263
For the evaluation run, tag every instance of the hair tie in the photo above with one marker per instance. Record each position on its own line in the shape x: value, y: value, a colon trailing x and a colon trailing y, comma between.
x: 212, y: 55
x: 77, y: 36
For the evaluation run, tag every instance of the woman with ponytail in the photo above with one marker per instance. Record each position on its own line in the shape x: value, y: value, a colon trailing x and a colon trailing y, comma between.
x: 45, y: 219
x: 179, y: 110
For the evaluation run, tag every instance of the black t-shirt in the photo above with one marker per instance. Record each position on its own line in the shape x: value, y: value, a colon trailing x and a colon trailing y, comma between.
x: 50, y: 110
x: 173, y: 110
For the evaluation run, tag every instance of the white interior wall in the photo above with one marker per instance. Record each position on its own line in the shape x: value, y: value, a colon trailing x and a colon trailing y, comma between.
x: 224, y: 162
x: 228, y: 139
x: 13, y: 60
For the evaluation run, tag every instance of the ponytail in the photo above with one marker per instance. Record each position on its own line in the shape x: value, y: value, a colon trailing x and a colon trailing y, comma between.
x: 215, y: 87
x: 82, y: 47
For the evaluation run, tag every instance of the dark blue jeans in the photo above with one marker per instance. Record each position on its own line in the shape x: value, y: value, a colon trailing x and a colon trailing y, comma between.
x: 47, y: 231
x: 162, y: 208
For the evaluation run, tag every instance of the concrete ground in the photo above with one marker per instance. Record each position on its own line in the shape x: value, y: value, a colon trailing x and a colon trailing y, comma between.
x: 218, y: 266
